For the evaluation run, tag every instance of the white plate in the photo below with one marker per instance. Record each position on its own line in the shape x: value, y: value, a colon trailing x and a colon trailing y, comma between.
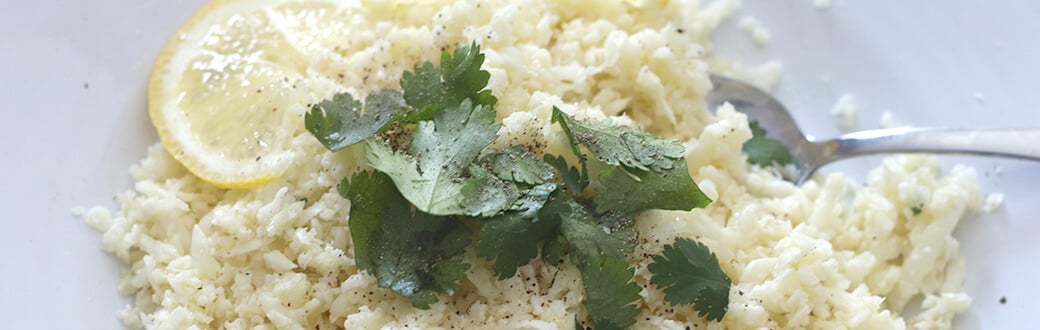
x: 73, y: 95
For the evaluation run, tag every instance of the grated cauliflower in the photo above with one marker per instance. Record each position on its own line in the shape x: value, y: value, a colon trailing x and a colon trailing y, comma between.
x: 831, y: 254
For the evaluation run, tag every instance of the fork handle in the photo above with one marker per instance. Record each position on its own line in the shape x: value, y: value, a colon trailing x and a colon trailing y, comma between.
x: 1012, y: 143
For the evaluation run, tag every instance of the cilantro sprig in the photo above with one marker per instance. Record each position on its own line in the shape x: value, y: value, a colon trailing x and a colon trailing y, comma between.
x: 430, y: 197
x: 621, y: 145
x: 765, y: 151
x: 413, y: 253
x: 344, y: 121
x: 434, y: 170
x: 686, y: 271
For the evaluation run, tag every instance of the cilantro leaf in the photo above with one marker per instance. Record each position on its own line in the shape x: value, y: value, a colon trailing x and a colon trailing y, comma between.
x: 343, y: 121
x: 575, y: 180
x: 621, y: 145
x: 368, y: 196
x: 553, y: 249
x: 591, y: 241
x: 619, y: 224
x: 689, y: 273
x: 589, y: 237
x: 511, y: 240
x: 412, y: 253
x: 432, y: 174
x: 456, y: 78
x: 610, y: 294
x: 598, y: 247
x: 631, y: 191
x: 519, y: 165
x: 485, y: 195
x: 532, y: 200
x: 645, y: 172
x: 447, y: 274
x: 764, y: 151
x: 577, y: 183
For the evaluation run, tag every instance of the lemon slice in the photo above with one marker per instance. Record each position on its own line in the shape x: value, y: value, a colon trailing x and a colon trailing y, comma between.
x: 228, y: 93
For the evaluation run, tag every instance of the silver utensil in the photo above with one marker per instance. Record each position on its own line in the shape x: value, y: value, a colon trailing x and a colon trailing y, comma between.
x: 810, y: 154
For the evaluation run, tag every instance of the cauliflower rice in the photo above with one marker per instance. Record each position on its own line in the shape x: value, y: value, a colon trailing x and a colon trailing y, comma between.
x: 830, y: 254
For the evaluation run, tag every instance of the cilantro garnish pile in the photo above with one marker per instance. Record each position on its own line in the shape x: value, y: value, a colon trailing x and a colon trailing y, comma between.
x: 436, y: 189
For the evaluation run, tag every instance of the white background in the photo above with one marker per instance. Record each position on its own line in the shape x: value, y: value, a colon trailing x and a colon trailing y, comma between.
x: 66, y: 144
